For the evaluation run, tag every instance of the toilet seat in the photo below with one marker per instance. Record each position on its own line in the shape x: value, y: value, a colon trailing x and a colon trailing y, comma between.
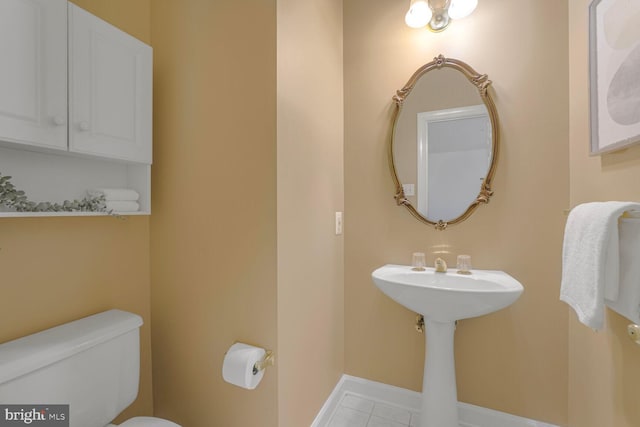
x: 147, y: 422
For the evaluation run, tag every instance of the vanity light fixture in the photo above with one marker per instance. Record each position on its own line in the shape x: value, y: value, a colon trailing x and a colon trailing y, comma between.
x: 436, y: 14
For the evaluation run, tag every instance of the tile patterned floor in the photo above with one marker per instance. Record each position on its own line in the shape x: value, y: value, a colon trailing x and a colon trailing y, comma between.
x: 358, y: 411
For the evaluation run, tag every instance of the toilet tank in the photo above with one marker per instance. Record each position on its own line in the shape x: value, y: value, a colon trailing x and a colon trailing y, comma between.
x: 91, y: 364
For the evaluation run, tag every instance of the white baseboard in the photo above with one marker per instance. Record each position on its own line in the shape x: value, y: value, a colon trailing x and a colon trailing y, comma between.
x: 470, y: 415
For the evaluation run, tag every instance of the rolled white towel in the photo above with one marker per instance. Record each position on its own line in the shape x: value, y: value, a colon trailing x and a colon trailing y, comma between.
x: 122, y: 206
x: 115, y: 194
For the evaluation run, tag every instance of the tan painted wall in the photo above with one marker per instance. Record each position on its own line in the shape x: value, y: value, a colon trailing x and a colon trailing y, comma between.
x: 132, y: 16
x: 213, y: 243
x: 55, y: 270
x: 604, y: 373
x: 514, y: 360
x: 310, y: 191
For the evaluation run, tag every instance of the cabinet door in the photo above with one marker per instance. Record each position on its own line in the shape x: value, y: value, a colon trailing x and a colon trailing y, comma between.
x: 33, y: 74
x: 110, y: 90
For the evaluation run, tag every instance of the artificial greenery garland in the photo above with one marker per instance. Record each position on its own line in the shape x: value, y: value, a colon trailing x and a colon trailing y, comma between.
x: 17, y: 200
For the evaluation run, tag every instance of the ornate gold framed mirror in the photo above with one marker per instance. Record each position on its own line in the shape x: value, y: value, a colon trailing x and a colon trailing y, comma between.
x: 444, y: 143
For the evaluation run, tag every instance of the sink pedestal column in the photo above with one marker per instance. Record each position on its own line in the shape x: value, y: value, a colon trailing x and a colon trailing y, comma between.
x: 439, y: 394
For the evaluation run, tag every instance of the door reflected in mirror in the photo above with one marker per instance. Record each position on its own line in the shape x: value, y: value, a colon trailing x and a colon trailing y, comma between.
x: 454, y: 151
x: 445, y: 142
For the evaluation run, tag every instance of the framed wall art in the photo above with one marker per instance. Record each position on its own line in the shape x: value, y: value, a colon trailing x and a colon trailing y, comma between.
x: 614, y: 68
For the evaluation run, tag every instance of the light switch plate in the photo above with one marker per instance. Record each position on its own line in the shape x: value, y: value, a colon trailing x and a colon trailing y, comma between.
x: 338, y: 223
x: 409, y: 189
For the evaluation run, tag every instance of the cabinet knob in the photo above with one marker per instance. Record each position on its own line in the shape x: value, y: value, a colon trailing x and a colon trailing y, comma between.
x: 84, y: 126
x: 59, y: 121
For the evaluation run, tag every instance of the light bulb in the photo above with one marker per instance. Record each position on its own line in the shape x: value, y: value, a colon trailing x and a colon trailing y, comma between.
x: 461, y: 8
x: 419, y: 14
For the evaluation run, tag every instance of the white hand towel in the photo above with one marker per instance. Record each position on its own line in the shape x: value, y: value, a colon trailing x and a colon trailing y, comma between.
x: 590, y: 258
x: 115, y: 194
x: 120, y: 206
x: 628, y: 302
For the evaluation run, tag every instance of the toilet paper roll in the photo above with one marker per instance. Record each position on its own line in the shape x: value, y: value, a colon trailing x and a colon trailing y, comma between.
x: 237, y: 368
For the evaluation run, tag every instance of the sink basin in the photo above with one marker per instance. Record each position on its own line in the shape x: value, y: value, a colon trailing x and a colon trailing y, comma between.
x: 447, y: 296
x: 443, y: 298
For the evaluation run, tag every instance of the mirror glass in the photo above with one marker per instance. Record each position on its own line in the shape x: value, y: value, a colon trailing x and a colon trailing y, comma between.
x: 444, y: 142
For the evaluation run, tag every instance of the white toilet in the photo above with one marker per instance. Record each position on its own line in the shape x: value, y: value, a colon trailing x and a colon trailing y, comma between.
x: 91, y: 364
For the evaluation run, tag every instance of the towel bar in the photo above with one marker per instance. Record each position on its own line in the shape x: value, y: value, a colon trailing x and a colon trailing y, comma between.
x: 631, y: 214
x: 627, y: 214
x: 633, y: 331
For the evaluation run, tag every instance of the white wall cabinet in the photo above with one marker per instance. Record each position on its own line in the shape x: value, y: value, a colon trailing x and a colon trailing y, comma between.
x: 33, y: 75
x: 75, y: 102
x: 110, y: 90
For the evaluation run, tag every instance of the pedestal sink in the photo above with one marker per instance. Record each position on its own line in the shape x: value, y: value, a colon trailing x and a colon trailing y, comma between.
x: 443, y: 298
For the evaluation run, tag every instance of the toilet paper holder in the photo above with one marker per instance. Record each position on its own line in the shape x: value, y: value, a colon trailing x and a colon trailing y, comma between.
x: 267, y: 360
